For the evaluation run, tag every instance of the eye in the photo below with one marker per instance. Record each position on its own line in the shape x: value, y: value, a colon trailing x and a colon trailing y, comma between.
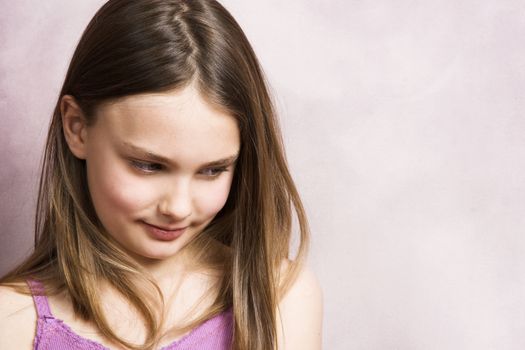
x: 213, y: 172
x: 146, y: 167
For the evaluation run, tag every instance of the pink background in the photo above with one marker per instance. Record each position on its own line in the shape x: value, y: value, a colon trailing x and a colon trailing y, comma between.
x: 406, y: 134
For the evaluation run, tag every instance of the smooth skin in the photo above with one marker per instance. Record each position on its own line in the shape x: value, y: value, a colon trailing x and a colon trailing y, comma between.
x: 131, y: 188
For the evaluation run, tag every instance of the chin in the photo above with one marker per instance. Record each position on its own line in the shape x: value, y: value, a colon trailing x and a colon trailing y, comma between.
x: 160, y: 255
x: 154, y: 254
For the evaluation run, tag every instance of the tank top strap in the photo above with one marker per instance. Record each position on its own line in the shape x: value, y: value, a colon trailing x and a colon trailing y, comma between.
x: 39, y: 298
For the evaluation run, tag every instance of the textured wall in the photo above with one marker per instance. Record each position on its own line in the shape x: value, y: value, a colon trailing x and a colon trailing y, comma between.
x: 405, y: 132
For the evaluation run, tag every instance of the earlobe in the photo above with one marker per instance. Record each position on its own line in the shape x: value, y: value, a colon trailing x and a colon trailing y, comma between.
x: 74, y: 126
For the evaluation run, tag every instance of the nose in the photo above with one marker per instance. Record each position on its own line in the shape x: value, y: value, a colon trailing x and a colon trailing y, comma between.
x: 176, y: 203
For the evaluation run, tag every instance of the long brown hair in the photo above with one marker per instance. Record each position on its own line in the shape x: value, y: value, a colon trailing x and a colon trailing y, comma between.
x: 142, y: 46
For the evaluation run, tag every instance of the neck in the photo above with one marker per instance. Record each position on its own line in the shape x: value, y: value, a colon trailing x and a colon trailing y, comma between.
x: 165, y: 271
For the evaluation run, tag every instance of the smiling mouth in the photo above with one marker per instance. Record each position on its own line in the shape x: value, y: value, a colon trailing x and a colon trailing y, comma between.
x: 166, y: 228
x: 163, y: 234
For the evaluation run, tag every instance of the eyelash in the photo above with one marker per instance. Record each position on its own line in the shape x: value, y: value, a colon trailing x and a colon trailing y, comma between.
x: 147, y: 168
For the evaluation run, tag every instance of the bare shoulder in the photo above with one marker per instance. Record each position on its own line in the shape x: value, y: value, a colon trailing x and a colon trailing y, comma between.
x: 17, y: 319
x: 300, y: 314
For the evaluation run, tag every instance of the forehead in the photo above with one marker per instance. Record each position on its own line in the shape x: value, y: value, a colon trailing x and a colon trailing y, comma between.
x: 187, y: 103
x: 176, y: 123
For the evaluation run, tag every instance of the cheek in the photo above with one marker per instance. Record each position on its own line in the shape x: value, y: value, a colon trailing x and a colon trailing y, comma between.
x: 211, y: 197
x: 115, y: 192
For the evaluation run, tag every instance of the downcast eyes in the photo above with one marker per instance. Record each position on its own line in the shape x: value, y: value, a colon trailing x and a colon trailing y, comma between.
x: 152, y: 168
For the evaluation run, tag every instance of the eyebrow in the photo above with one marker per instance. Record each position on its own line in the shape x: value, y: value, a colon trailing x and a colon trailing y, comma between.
x: 161, y: 159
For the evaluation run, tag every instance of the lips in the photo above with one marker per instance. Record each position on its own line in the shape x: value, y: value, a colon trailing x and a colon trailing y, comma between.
x: 166, y: 228
x: 164, y: 234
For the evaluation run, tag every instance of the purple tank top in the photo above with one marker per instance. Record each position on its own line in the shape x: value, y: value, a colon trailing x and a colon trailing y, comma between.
x: 53, y: 334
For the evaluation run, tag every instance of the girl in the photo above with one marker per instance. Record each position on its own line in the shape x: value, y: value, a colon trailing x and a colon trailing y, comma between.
x: 165, y: 206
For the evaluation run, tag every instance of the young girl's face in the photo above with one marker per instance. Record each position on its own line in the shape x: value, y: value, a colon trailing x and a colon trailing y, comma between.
x: 159, y: 168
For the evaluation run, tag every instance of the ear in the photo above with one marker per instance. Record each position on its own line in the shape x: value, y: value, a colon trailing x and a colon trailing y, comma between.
x: 74, y: 126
